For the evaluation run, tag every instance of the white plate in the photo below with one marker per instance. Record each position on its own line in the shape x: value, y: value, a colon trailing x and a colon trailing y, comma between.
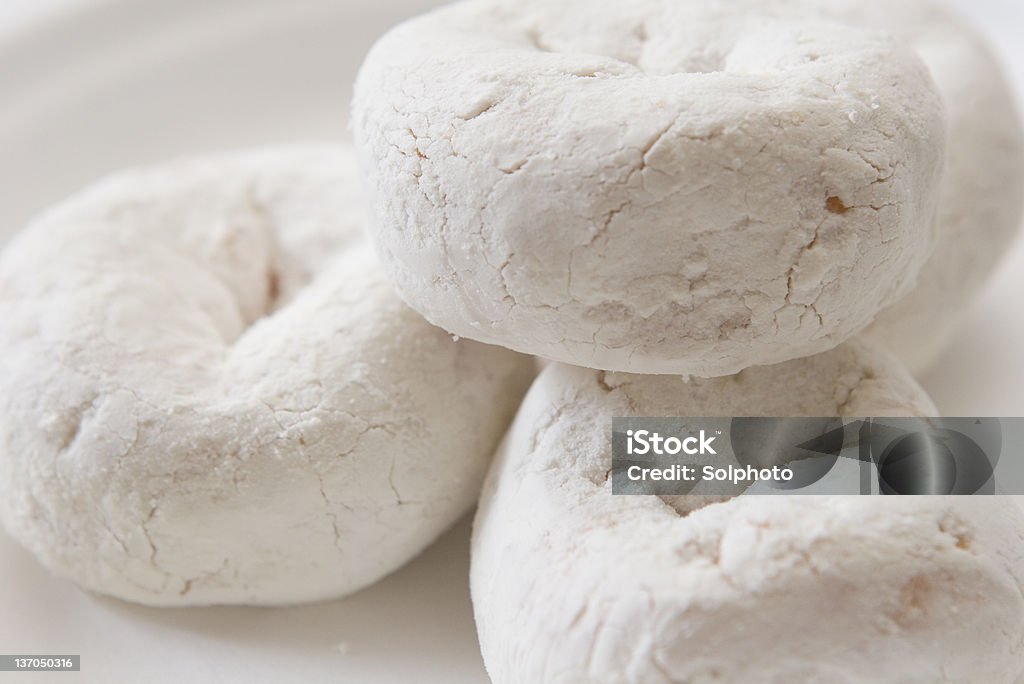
x: 115, y: 83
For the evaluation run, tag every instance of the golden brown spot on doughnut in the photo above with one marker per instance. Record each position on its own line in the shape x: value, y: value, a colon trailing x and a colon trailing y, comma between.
x: 916, y: 599
x: 273, y: 289
x: 836, y: 206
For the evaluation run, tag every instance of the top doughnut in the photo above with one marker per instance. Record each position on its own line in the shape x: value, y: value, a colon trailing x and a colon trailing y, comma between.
x: 656, y: 187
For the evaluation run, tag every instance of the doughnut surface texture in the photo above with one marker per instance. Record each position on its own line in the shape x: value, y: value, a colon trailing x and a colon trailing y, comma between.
x: 571, y: 584
x: 981, y: 200
x: 210, y: 393
x: 654, y: 186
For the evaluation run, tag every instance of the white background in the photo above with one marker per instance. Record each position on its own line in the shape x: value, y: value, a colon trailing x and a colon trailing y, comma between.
x: 88, y: 86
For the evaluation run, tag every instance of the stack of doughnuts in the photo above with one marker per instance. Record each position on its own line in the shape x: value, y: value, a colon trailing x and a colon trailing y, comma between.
x: 747, y: 208
x: 221, y: 383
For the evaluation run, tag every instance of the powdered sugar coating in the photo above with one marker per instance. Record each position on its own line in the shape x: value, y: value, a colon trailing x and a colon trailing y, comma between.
x: 571, y: 584
x: 658, y: 187
x: 210, y: 393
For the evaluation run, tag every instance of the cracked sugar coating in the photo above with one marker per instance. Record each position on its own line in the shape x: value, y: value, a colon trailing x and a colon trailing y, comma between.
x: 653, y: 186
x: 981, y: 200
x: 573, y: 585
x: 209, y: 392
